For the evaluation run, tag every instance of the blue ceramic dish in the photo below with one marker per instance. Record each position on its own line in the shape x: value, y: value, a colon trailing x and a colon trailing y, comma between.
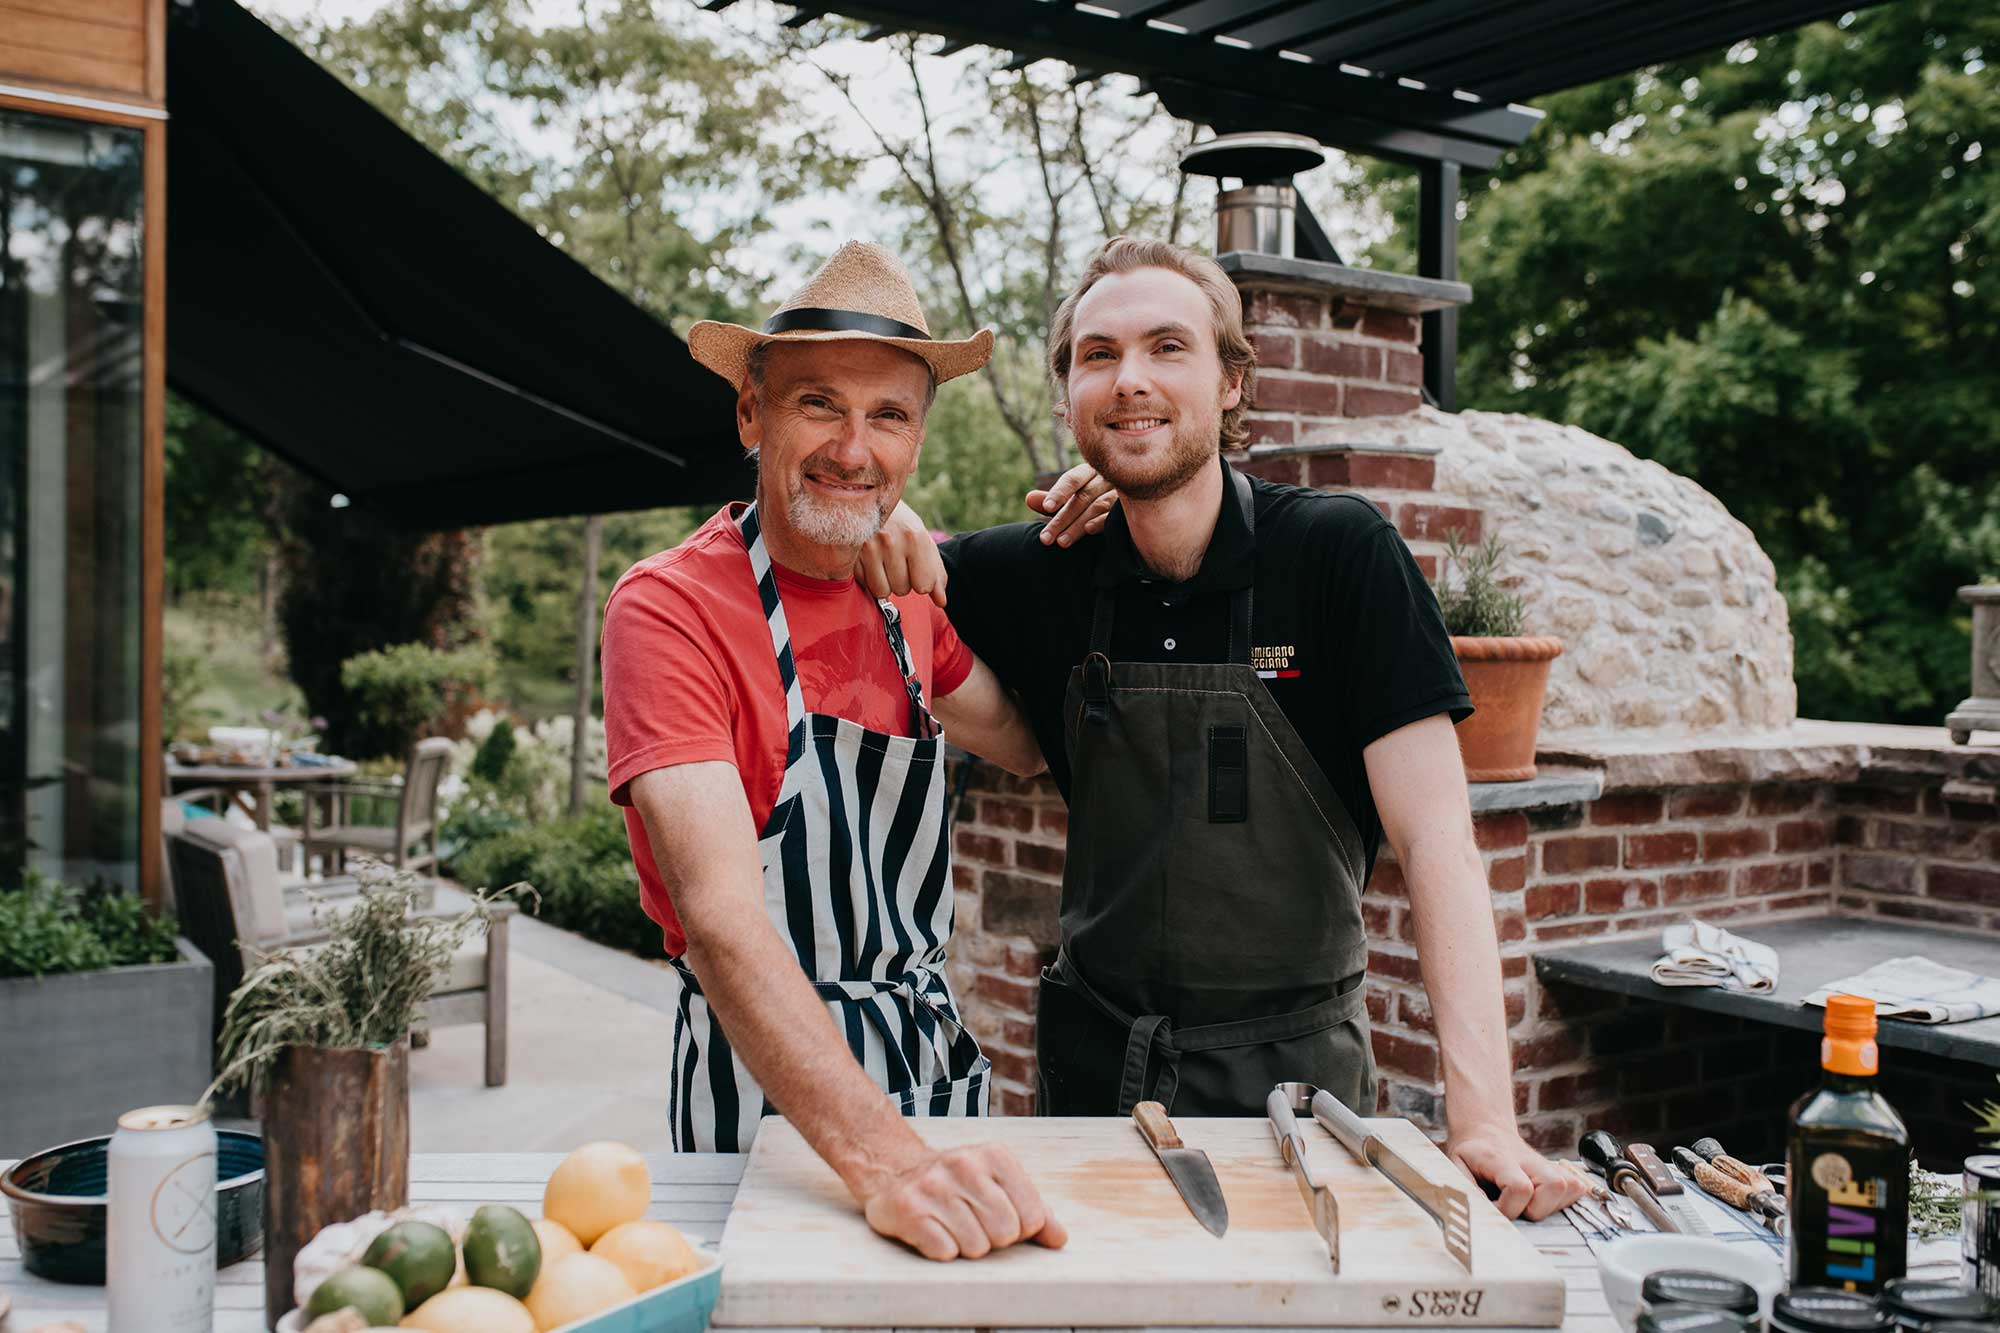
x: 57, y: 1198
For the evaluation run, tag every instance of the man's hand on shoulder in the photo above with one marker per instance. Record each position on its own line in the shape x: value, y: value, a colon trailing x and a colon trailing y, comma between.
x: 1077, y: 505
x: 1529, y: 1184
x: 964, y: 1203
x: 902, y: 558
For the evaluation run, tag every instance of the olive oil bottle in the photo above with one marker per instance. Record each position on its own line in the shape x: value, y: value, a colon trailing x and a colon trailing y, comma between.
x: 1847, y: 1168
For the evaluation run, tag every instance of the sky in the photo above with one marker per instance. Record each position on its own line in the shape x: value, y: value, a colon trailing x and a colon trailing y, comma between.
x: 811, y: 226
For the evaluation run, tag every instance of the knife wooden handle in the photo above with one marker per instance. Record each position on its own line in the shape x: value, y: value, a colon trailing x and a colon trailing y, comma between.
x: 1658, y: 1178
x: 1151, y: 1117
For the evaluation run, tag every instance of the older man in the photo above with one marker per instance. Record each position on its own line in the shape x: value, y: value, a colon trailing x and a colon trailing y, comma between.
x: 772, y: 734
x: 1243, y: 690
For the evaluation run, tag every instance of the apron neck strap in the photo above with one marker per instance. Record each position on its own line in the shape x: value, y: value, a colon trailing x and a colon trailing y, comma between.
x: 922, y: 724
x: 1104, y: 613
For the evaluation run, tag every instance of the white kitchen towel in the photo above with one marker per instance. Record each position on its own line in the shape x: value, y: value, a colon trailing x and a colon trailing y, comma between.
x: 1919, y: 991
x: 1699, y: 954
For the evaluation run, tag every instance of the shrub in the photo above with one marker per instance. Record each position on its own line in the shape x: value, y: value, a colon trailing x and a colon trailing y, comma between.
x: 47, y: 926
x: 1478, y: 607
x: 397, y: 694
x: 490, y: 761
x: 581, y: 867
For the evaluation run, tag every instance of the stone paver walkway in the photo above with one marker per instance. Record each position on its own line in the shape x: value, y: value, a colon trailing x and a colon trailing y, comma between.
x: 590, y: 1036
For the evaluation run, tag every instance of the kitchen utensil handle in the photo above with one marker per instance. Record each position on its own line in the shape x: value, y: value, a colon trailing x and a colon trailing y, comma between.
x: 1342, y: 1123
x: 1151, y: 1117
x: 1278, y: 1106
x: 1658, y: 1179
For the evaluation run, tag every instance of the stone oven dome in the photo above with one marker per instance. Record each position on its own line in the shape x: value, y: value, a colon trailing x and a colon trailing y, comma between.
x: 1669, y: 610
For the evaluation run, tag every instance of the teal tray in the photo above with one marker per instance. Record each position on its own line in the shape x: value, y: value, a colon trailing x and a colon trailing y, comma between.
x: 682, y: 1306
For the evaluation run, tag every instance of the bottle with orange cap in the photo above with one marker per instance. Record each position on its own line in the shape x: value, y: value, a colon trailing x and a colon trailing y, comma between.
x: 1848, y: 1164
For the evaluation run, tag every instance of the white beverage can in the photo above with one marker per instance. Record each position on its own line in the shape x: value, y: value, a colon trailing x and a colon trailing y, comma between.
x: 159, y: 1258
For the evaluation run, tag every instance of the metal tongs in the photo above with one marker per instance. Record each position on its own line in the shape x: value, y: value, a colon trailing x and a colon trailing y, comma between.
x: 1285, y: 1104
x: 1447, y: 1206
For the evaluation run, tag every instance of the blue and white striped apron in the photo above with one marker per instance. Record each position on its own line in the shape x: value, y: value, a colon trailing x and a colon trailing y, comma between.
x: 857, y: 877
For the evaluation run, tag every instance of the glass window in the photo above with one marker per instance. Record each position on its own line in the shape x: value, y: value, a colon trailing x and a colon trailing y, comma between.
x: 71, y: 442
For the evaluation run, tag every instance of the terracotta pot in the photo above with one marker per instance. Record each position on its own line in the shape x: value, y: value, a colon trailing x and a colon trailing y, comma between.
x: 1507, y: 678
x: 336, y: 1145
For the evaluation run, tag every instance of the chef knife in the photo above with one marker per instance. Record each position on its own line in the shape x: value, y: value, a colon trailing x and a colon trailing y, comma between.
x: 1607, y: 1155
x: 1670, y: 1192
x: 1447, y: 1206
x: 1187, y: 1167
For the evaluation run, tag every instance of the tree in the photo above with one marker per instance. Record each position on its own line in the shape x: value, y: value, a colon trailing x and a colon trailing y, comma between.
x: 1772, y: 269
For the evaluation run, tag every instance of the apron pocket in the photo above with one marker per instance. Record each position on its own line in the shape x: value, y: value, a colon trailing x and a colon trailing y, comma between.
x: 1065, y: 1022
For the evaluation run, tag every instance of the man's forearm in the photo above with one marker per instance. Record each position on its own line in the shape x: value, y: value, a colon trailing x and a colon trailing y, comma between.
x: 1459, y: 955
x: 782, y: 1032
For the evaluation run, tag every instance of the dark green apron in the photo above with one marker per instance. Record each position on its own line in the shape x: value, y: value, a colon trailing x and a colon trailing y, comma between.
x: 1211, y: 905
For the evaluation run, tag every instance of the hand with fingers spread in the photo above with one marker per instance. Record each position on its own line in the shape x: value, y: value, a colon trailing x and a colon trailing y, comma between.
x: 1529, y: 1184
x: 964, y: 1203
x: 902, y: 558
x: 1077, y: 505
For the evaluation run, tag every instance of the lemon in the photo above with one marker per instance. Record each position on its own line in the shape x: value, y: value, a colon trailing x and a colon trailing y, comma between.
x: 576, y: 1288
x: 471, y: 1310
x: 595, y: 1188
x: 649, y: 1254
x: 557, y: 1244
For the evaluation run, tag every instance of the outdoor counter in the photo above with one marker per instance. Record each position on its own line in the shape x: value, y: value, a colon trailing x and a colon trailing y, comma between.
x: 693, y: 1191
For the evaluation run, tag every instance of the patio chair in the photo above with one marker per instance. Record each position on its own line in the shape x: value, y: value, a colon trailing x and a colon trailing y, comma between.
x: 411, y: 844
x: 233, y: 910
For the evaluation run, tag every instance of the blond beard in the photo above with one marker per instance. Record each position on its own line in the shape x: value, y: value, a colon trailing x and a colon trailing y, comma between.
x: 1191, y: 448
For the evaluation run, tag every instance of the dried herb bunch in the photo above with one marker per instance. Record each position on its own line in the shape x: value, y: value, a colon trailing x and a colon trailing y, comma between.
x: 362, y: 987
x: 1477, y: 607
x: 1936, y: 1203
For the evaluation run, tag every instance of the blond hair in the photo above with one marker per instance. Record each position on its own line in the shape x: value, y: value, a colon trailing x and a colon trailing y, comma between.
x: 1123, y: 254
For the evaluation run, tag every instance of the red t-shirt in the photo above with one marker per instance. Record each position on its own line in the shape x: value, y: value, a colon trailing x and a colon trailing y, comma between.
x: 689, y: 674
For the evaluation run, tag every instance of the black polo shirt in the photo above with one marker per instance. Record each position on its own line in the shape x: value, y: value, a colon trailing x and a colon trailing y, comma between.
x: 1346, y: 633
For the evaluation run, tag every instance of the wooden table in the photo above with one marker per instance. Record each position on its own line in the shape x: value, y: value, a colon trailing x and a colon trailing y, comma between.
x: 691, y: 1190
x: 259, y: 781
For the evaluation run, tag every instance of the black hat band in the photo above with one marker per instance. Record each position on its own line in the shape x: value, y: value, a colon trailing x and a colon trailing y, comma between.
x: 820, y: 320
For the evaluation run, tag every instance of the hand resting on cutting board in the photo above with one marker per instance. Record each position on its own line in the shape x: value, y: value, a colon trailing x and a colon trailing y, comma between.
x: 962, y: 1204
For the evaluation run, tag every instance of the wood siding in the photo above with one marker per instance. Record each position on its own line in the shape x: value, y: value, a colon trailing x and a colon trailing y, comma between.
x: 109, y: 48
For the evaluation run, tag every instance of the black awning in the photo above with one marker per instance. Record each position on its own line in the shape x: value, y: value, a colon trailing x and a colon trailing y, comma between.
x: 350, y: 301
x: 1415, y: 81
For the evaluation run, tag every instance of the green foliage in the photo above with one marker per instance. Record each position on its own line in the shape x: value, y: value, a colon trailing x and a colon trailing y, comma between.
x: 181, y: 679
x: 582, y: 870
x: 489, y: 762
x: 363, y: 987
x: 398, y: 695
x: 1477, y: 606
x: 214, y: 496
x: 1772, y: 270
x: 48, y: 927
x: 351, y: 589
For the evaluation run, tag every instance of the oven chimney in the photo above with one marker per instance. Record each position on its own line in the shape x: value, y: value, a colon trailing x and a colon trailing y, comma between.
x: 1256, y: 216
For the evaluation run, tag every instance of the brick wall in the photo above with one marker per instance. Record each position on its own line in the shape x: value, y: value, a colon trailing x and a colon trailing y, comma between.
x: 1628, y: 863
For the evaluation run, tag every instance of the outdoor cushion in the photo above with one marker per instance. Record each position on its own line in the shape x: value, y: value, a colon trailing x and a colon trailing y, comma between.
x: 255, y: 897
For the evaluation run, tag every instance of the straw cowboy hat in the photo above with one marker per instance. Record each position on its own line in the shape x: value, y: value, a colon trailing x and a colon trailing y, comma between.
x: 862, y: 292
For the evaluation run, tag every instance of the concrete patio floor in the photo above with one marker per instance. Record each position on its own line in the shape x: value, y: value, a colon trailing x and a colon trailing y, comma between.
x: 590, y: 1034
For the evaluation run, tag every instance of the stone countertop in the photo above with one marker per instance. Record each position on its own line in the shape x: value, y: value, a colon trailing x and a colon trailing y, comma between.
x: 1807, y: 751
x: 1811, y: 952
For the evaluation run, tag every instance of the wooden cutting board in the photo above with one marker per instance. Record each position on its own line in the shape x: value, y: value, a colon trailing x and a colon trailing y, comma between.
x: 799, y: 1252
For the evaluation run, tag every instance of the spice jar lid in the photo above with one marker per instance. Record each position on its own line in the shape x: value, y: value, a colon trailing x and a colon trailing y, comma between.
x: 1918, y: 1299
x: 1691, y: 1286
x: 1827, y: 1310
x: 1671, y: 1318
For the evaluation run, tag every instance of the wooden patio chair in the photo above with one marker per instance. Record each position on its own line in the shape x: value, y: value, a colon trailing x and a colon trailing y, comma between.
x: 233, y: 910
x: 411, y: 843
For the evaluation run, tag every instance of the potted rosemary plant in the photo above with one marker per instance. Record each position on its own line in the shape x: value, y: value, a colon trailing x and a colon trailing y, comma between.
x: 322, y: 1034
x: 1506, y: 671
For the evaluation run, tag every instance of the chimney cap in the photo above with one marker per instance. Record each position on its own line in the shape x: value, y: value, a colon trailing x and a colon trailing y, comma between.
x: 1256, y: 157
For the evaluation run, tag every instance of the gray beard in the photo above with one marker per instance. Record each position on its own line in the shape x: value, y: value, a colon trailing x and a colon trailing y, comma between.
x: 830, y: 523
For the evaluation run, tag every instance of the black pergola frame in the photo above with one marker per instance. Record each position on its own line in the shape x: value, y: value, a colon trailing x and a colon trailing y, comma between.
x: 1428, y: 83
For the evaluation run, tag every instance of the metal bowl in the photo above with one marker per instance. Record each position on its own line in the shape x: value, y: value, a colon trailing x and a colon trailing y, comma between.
x: 57, y: 1198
